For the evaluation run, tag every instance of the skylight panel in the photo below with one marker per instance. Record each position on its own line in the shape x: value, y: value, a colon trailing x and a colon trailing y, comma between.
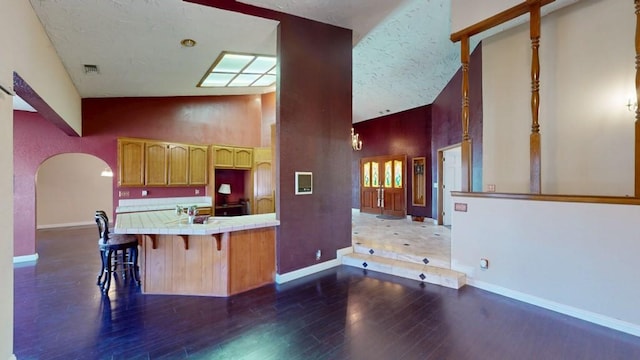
x: 260, y: 65
x: 240, y: 70
x: 244, y: 80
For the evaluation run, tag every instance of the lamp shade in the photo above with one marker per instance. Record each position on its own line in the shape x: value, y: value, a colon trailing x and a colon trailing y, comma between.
x: 224, y: 189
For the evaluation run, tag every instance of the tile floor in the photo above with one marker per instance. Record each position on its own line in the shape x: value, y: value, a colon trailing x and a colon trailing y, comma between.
x: 402, y: 239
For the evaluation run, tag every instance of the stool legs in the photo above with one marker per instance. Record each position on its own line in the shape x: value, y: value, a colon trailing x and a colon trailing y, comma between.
x: 101, y: 273
x: 135, y: 270
x: 129, y: 263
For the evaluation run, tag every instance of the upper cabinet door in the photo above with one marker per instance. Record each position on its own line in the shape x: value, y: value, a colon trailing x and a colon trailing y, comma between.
x: 130, y: 162
x: 223, y: 156
x: 156, y: 154
x: 243, y: 158
x: 178, y: 166
x: 198, y: 161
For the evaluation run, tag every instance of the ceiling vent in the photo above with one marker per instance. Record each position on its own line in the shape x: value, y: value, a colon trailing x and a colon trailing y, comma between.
x: 91, y: 69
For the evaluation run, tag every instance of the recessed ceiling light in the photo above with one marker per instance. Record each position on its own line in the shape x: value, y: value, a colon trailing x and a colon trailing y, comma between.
x: 188, y: 42
x: 240, y: 70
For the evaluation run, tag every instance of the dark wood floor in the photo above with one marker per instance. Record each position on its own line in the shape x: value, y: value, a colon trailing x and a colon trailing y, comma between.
x: 341, y: 313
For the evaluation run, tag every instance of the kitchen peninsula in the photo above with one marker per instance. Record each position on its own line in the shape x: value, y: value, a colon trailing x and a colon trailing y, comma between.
x: 222, y: 257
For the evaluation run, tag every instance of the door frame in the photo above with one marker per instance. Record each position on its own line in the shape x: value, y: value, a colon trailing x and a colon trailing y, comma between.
x: 440, y: 195
x: 405, y: 171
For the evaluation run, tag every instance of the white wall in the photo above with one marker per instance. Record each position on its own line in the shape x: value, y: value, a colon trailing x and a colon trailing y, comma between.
x: 34, y: 58
x: 576, y: 258
x: 587, y: 75
x: 72, y: 179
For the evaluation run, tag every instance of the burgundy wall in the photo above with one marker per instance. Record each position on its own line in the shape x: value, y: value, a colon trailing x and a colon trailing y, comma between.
x: 446, y: 114
x: 314, y: 121
x: 406, y: 133
x: 234, y: 120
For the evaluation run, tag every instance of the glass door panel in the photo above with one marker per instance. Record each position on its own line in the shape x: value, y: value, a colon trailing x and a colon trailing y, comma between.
x: 366, y: 174
x: 382, y: 188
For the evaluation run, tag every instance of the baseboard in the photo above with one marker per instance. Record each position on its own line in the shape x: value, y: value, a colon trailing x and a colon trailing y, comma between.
x: 309, y: 270
x: 585, y: 315
x: 25, y: 258
x: 73, y: 224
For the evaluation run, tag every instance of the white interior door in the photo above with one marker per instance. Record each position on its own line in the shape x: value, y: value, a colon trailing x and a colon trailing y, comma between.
x: 451, y: 180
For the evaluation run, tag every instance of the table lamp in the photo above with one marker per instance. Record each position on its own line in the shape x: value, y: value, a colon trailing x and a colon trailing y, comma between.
x: 225, y: 190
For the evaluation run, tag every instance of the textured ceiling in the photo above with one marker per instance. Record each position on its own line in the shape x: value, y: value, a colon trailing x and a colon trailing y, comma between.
x: 402, y: 55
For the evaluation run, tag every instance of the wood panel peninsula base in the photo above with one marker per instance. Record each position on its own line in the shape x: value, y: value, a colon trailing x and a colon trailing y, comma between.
x: 220, y: 258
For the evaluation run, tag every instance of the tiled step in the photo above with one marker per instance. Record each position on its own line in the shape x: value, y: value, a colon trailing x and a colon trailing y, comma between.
x: 425, y: 273
x: 392, y: 253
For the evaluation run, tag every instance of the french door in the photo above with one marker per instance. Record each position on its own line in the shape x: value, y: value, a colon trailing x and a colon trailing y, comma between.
x: 382, y: 185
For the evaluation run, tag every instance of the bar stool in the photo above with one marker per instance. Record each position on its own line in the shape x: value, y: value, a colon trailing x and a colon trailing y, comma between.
x: 122, y: 247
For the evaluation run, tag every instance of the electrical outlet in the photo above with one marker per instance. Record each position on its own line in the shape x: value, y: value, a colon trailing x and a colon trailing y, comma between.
x: 197, y: 191
x: 484, y: 263
x: 318, y: 254
x: 145, y: 193
x: 123, y: 194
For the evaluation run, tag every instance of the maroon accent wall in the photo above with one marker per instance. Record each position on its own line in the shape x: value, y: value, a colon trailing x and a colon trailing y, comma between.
x: 314, y: 121
x: 234, y: 120
x: 405, y: 133
x: 446, y: 117
x: 35, y: 140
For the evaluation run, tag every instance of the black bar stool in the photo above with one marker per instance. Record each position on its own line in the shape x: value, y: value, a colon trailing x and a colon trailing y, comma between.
x: 123, y: 247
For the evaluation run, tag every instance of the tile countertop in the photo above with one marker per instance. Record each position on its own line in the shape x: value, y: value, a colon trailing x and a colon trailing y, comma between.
x: 167, y: 222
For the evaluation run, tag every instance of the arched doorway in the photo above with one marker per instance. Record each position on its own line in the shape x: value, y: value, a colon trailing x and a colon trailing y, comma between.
x: 70, y: 188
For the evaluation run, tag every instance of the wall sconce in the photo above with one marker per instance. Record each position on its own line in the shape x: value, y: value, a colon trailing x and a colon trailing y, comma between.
x: 356, y: 143
x: 632, y: 106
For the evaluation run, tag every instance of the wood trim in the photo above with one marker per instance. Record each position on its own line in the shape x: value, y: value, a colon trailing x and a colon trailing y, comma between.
x: 497, y: 19
x: 616, y: 200
x: 185, y: 239
x: 218, y: 239
x: 637, y: 124
x: 535, y: 178
x: 154, y: 240
x: 466, y: 140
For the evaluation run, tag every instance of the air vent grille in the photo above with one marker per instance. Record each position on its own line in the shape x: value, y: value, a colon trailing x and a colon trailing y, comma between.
x: 91, y: 69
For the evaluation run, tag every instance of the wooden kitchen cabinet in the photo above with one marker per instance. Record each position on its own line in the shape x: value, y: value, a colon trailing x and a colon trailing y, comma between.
x: 157, y: 163
x: 198, y: 164
x: 130, y: 162
x: 243, y: 158
x: 263, y: 186
x: 178, y: 164
x: 223, y: 156
x: 232, y: 157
